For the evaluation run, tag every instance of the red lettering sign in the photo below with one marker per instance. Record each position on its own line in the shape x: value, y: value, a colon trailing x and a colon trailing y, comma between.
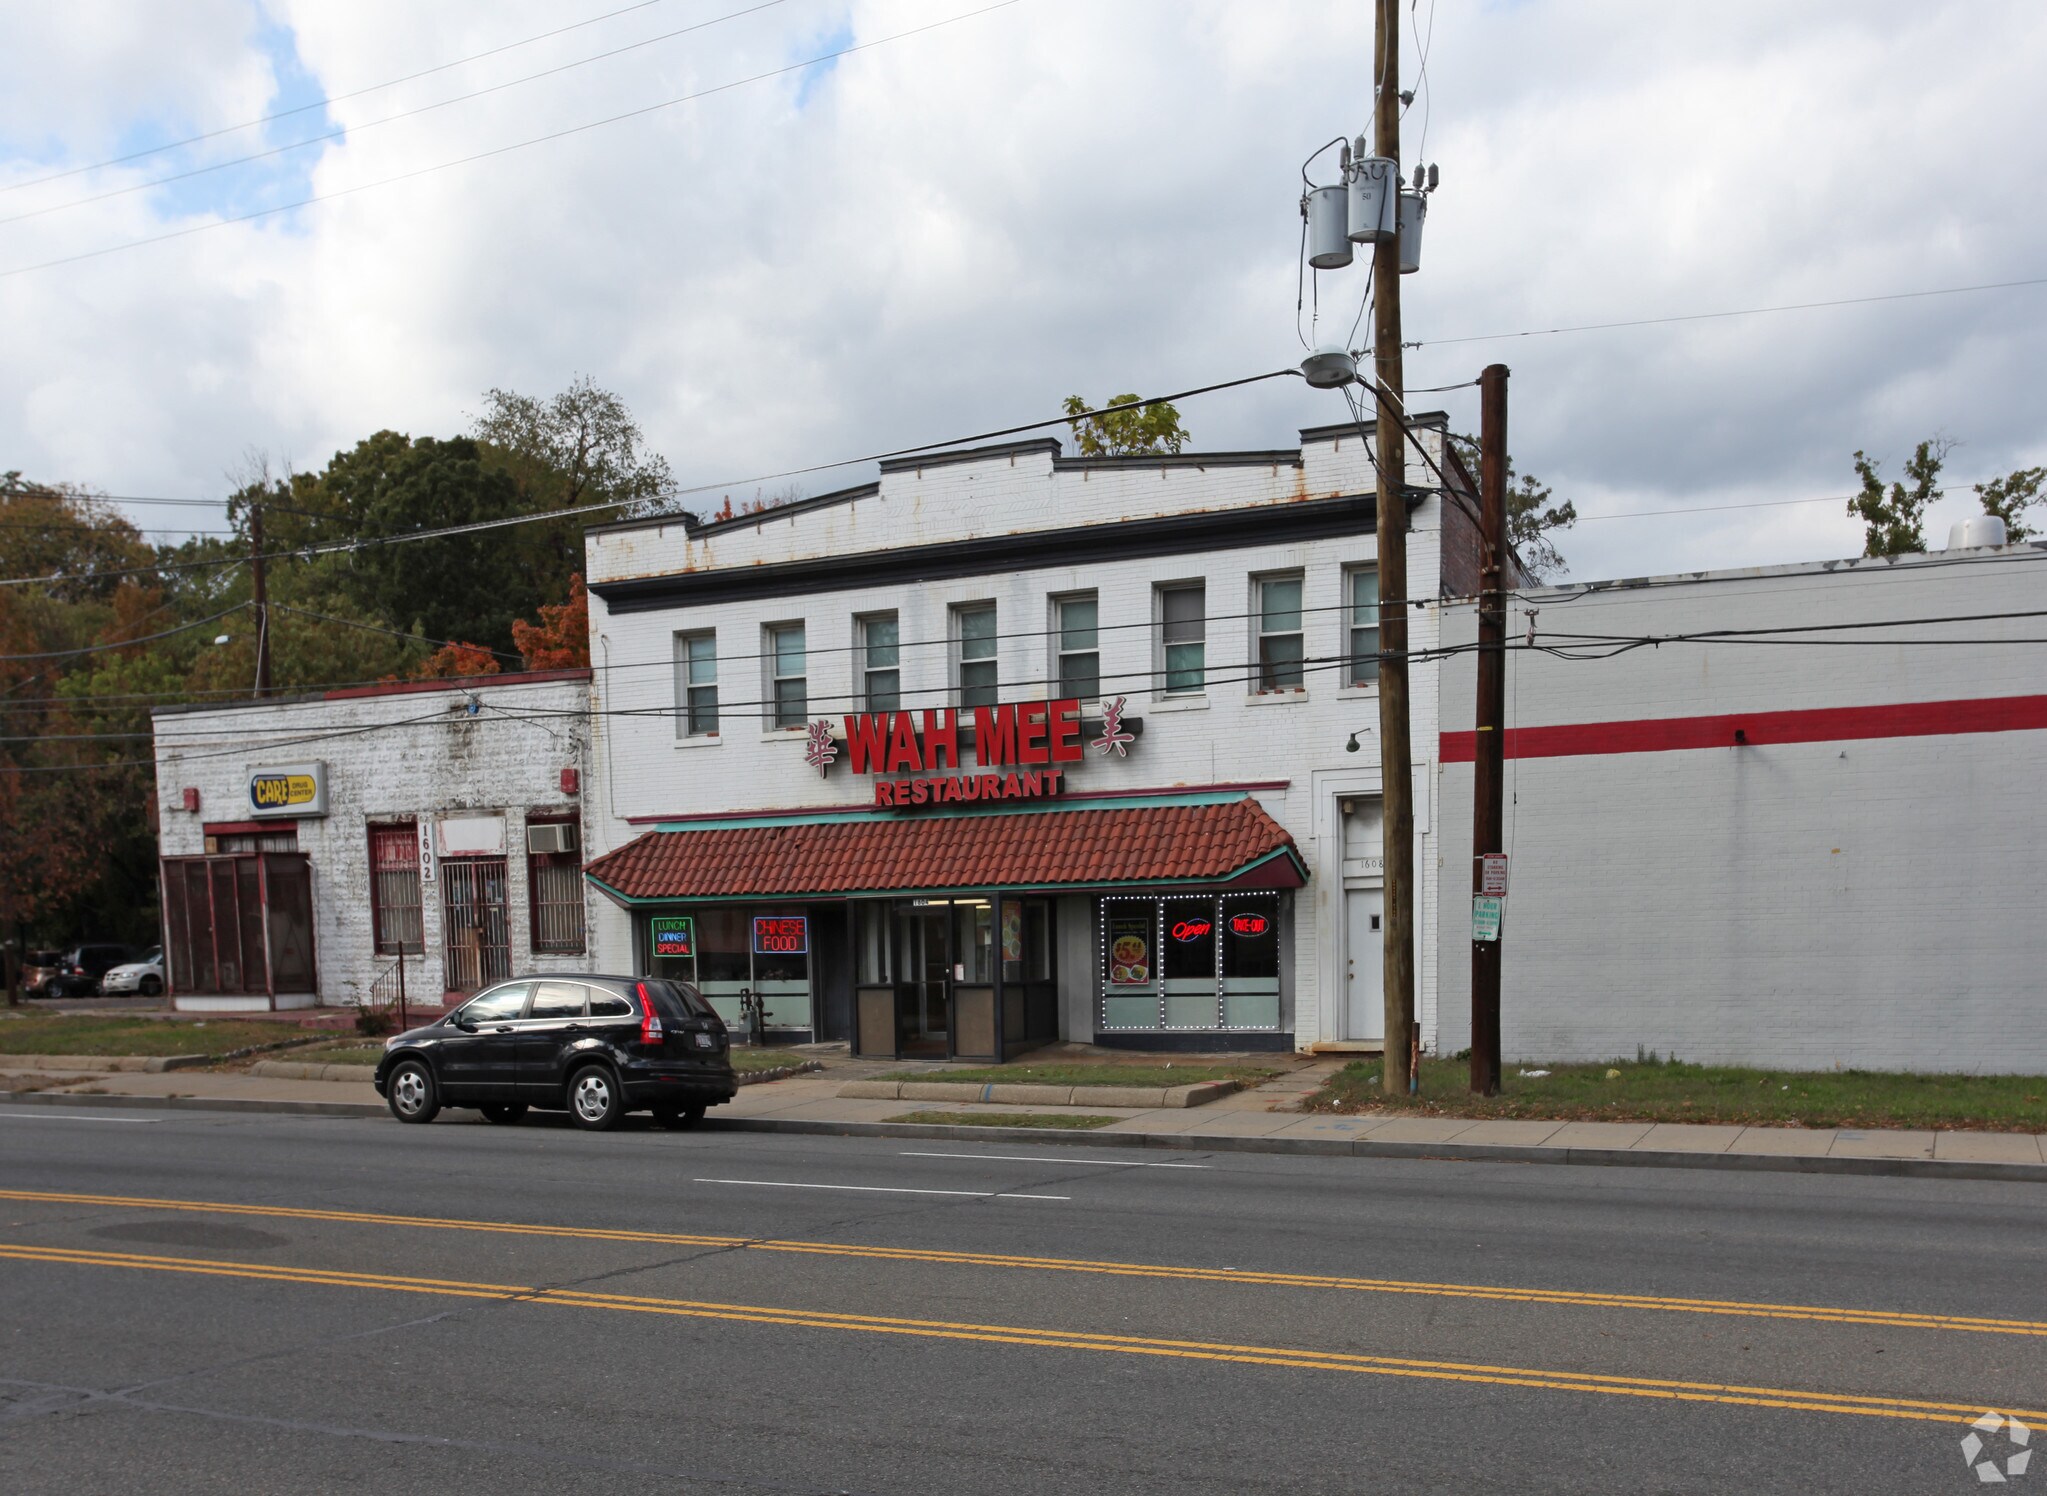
x: 1030, y: 733
x: 781, y: 935
x: 994, y: 736
x: 1192, y: 929
x: 1249, y: 924
x: 867, y: 742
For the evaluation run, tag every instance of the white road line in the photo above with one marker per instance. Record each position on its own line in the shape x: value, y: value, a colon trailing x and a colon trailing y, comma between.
x: 61, y: 1117
x: 1037, y: 1158
x: 877, y: 1189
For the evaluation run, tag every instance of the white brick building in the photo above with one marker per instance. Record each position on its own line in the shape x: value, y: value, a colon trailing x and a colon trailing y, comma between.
x: 1216, y: 886
x: 307, y: 842
x: 1749, y: 850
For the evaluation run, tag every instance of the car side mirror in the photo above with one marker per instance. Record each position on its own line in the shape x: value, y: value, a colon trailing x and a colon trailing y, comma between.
x: 465, y: 1025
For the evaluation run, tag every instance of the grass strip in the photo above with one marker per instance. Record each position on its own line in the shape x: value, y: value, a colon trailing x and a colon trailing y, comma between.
x: 82, y: 1034
x: 1062, y: 1121
x: 1653, y: 1090
x: 1098, y: 1075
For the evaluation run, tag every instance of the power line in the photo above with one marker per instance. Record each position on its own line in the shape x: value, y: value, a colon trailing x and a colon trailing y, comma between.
x: 1831, y: 498
x: 321, y: 197
x: 320, y: 103
x: 63, y: 654
x: 403, y: 114
x: 1752, y: 311
x: 359, y: 543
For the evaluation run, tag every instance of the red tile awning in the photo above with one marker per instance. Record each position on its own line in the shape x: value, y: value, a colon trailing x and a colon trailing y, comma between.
x: 1234, y: 843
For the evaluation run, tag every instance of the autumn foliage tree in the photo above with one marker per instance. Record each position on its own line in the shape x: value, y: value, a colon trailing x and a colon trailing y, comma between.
x: 561, y: 640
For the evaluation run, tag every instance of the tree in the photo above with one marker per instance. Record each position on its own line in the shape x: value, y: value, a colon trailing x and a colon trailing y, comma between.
x: 580, y: 447
x: 2009, y: 497
x: 1532, y: 520
x: 456, y: 661
x: 561, y: 640
x: 1138, y: 431
x: 1894, y: 519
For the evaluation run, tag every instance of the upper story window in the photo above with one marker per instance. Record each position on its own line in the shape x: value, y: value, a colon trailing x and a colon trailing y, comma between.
x: 696, y: 685
x: 974, y: 654
x: 1183, y: 638
x: 1075, y: 629
x: 1361, y: 601
x: 787, y: 667
x: 881, y: 676
x: 1278, y: 616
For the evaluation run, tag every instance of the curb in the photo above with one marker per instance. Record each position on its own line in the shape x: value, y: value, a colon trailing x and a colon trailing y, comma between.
x: 1026, y: 1094
x: 1753, y: 1163
x: 194, y: 1104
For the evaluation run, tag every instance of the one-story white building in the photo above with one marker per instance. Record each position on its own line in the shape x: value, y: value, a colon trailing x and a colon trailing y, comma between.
x: 1786, y: 817
x: 322, y: 849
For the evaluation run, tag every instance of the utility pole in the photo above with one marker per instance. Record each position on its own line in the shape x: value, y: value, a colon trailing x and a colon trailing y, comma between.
x: 1488, y: 798
x: 259, y: 597
x: 1396, y: 754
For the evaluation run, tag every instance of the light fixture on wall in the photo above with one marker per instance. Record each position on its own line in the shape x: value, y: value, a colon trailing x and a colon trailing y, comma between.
x: 1352, y: 745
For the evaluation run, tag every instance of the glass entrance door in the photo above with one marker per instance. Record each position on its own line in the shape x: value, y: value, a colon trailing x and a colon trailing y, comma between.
x: 923, y: 978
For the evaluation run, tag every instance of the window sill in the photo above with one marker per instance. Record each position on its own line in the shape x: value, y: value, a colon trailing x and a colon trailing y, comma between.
x: 1289, y: 697
x: 1357, y: 693
x: 700, y: 740
x: 1179, y: 704
x: 783, y: 734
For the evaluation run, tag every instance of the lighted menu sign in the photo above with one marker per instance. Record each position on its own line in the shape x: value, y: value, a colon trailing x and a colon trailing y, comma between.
x: 675, y: 935
x: 781, y: 935
x: 1019, y: 750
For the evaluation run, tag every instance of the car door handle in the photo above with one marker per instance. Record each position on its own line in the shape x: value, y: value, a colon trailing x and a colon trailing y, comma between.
x: 572, y: 1028
x: 503, y: 1028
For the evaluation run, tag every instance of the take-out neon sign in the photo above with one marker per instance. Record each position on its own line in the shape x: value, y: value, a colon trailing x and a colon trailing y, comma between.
x: 1018, y: 750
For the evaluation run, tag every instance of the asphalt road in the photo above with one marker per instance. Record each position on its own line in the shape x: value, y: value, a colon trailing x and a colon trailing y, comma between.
x: 206, y: 1302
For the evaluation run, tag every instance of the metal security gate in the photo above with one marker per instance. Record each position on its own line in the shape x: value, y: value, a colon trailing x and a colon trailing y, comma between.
x: 476, y: 942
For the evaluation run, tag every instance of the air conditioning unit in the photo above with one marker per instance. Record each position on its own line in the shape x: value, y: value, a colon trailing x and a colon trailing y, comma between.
x: 555, y: 836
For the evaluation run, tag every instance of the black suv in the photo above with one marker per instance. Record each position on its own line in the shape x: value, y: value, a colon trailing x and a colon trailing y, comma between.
x: 596, y: 1047
x: 79, y: 969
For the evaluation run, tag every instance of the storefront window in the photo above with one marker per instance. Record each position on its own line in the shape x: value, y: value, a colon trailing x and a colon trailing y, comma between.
x: 1192, y: 962
x: 870, y: 938
x: 973, y: 940
x: 1129, y: 963
x: 735, y: 950
x: 1026, y: 940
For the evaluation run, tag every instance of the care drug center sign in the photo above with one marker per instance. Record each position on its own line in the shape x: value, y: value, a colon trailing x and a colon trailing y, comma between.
x: 1019, y: 750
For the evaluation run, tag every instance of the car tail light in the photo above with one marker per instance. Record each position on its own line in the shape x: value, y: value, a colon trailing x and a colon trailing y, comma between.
x: 650, y: 1021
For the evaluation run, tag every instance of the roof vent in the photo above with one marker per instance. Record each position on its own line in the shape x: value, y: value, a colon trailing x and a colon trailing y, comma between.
x: 1977, y: 530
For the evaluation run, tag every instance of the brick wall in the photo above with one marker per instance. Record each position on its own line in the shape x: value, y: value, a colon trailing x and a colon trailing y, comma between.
x: 390, y: 757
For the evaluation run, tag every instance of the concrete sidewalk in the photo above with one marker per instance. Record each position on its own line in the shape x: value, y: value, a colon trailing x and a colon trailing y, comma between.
x: 1249, y: 1121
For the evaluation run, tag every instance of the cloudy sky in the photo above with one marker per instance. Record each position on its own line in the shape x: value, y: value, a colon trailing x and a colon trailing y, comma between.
x: 951, y: 228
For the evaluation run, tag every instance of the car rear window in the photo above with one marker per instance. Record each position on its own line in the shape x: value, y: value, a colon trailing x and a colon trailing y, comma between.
x: 675, y: 1000
x: 605, y: 1004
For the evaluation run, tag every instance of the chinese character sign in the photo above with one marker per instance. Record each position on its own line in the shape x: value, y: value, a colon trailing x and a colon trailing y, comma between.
x: 822, y: 752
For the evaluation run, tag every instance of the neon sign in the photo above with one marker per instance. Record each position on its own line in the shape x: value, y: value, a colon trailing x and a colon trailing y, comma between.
x: 1192, y: 929
x: 1249, y: 924
x: 781, y: 935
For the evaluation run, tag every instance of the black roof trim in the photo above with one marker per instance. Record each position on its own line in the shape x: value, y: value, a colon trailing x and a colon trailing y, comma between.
x: 1237, y: 528
x: 948, y: 457
x: 789, y: 510
x: 1277, y: 457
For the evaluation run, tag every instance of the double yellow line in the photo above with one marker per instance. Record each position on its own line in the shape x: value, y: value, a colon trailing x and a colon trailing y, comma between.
x: 1815, y: 1313
x: 1300, y: 1358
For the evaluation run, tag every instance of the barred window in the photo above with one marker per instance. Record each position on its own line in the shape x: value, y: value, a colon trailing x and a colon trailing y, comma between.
x: 554, y: 890
x: 394, y: 889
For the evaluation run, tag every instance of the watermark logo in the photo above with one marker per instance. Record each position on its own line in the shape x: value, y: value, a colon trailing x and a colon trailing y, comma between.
x: 1998, y: 1448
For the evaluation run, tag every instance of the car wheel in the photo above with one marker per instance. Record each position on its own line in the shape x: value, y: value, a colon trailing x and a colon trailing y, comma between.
x: 152, y: 987
x: 680, y: 1116
x: 504, y: 1113
x: 411, y: 1092
x: 594, y: 1099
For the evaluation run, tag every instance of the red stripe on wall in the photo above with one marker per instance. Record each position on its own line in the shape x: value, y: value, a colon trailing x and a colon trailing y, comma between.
x: 1912, y: 719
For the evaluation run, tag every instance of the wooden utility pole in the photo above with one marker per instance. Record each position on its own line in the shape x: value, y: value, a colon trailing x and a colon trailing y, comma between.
x: 1488, y: 798
x: 259, y: 598
x: 1396, y: 754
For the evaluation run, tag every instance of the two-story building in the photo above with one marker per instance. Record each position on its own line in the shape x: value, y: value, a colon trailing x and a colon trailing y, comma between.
x: 1010, y: 746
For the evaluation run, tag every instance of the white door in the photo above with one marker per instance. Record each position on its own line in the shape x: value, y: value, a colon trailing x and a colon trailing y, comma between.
x: 1364, y: 946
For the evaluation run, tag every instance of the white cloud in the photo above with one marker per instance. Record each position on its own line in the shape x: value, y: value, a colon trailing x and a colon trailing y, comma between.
x: 954, y: 231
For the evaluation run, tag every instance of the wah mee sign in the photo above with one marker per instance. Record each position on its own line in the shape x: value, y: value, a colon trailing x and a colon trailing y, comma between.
x: 940, y: 756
